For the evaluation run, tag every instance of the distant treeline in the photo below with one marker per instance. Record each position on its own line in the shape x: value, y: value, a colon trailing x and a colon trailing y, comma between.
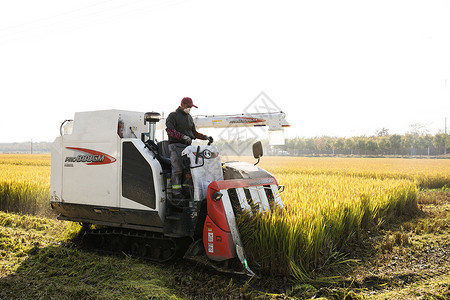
x: 402, y: 145
x: 408, y: 144
x: 395, y: 144
x: 26, y: 147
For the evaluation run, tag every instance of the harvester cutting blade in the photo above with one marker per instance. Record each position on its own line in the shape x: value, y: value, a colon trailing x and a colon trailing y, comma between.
x: 241, y: 255
x: 196, y: 253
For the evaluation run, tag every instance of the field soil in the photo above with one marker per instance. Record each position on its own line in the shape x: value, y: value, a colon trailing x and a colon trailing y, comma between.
x: 408, y: 258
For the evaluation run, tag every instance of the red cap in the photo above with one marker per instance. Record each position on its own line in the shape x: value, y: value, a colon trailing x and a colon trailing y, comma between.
x: 188, y: 102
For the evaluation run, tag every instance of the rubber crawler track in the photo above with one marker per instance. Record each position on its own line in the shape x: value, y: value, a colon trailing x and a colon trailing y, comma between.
x: 139, y: 244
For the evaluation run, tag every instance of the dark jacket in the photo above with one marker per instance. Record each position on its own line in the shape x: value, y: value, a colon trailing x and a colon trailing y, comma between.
x: 179, y: 124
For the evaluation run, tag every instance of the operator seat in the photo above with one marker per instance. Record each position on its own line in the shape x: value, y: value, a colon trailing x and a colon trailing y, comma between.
x: 164, y: 154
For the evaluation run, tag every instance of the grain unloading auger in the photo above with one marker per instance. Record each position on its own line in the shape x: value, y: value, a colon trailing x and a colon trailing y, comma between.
x: 108, y: 170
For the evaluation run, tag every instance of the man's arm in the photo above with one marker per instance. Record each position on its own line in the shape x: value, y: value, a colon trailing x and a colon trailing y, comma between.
x: 197, y: 134
x: 175, y: 134
x: 201, y: 136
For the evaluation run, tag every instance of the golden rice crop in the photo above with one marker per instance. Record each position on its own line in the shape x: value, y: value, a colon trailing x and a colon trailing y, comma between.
x: 25, y: 159
x: 328, y: 201
x: 322, y: 213
x: 426, y: 173
x: 25, y: 183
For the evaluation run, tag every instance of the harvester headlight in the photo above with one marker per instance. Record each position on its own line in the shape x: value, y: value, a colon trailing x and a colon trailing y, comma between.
x: 207, y: 154
x: 217, y: 196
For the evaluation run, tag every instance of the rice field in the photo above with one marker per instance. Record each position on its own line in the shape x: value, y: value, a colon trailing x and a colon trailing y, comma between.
x: 426, y: 173
x: 323, y: 213
x: 329, y: 202
x: 25, y: 184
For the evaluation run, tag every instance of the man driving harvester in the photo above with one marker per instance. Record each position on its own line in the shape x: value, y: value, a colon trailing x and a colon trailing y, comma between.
x: 181, y: 131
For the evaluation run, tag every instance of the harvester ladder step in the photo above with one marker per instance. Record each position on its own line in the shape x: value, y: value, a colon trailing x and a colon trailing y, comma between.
x: 173, y: 217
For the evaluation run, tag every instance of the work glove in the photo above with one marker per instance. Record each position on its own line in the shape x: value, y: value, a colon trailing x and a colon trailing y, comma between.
x: 210, y: 139
x: 187, y: 140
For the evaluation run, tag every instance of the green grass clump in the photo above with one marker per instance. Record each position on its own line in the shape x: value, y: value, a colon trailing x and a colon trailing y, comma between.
x: 37, y: 261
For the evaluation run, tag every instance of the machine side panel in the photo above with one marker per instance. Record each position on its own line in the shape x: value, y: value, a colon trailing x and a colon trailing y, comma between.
x: 219, y: 244
x: 141, y: 181
x: 90, y: 173
x: 103, y: 125
x: 137, y: 177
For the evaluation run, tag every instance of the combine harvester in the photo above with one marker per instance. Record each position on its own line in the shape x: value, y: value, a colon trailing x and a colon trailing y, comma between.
x: 108, y: 169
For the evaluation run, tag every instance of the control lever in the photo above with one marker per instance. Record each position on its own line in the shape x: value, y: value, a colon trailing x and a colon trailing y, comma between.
x: 197, y: 155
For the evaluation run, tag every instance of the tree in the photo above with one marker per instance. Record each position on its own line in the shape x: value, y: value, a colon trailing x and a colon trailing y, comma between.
x: 350, y: 145
x: 418, y: 129
x: 310, y: 145
x: 396, y: 142
x: 360, y: 143
x: 331, y: 144
x: 340, y: 144
x: 409, y: 142
x: 428, y: 141
x: 299, y: 144
x: 371, y: 145
x: 441, y: 140
x: 382, y: 132
x: 321, y: 144
x: 384, y: 144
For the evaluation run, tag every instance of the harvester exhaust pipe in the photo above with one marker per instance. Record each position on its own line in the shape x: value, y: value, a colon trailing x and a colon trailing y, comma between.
x: 152, y: 118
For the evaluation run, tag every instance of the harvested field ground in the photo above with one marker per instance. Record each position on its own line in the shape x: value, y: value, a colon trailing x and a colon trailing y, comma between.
x: 409, y: 259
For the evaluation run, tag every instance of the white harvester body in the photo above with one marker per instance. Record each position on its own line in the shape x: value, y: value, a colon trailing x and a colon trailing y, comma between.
x: 107, y: 169
x: 88, y: 166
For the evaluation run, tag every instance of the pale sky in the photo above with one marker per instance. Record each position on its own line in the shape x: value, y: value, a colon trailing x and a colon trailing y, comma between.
x: 337, y: 68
